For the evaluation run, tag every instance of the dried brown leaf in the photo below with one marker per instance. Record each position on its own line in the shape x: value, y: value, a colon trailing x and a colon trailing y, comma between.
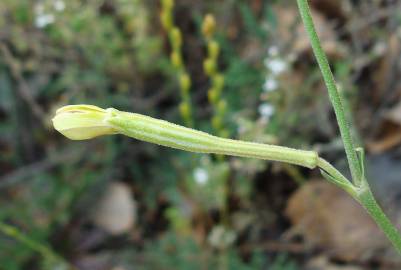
x: 329, y: 219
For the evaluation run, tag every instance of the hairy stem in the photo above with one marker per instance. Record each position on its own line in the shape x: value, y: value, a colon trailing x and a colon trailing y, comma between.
x: 335, y: 177
x: 164, y: 133
x: 360, y: 190
x: 333, y: 92
x: 366, y: 198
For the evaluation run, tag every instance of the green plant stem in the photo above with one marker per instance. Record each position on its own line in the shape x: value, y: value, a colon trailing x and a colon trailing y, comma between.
x: 367, y: 200
x: 360, y: 189
x: 334, y: 95
x: 335, y: 177
x: 44, y: 251
x: 164, y: 133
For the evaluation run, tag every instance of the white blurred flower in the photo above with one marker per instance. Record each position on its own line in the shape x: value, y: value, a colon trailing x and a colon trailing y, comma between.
x: 270, y: 84
x: 273, y: 51
x: 380, y: 48
x: 266, y: 110
x: 276, y: 65
x: 59, y: 5
x: 201, y: 176
x: 43, y: 20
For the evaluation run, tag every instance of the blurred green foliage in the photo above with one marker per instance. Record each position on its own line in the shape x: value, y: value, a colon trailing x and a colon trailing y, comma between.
x: 115, y: 53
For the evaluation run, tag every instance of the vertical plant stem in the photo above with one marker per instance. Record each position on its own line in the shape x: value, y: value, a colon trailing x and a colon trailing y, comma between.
x: 361, y: 190
x: 333, y: 92
x: 368, y: 201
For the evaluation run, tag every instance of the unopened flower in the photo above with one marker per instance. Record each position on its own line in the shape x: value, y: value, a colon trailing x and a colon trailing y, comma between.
x: 82, y: 122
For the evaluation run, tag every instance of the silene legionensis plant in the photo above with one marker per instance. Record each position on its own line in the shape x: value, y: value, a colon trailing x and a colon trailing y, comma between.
x: 82, y: 122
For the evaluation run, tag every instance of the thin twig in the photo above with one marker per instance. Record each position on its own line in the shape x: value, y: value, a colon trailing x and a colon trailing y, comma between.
x: 23, y: 88
x: 46, y: 252
x: 51, y: 161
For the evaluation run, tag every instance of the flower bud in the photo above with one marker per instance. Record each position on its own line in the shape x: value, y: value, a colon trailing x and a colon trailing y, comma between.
x: 167, y: 4
x: 222, y: 107
x: 209, y: 26
x: 213, y: 49
x: 185, y: 83
x: 176, y: 38
x: 212, y: 95
x: 216, y: 122
x: 176, y: 60
x: 82, y: 122
x: 185, y: 110
x: 218, y: 82
x: 166, y: 20
x: 209, y: 66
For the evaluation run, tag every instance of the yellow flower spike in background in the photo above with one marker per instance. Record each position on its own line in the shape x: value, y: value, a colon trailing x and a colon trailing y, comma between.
x: 82, y: 122
x: 176, y: 58
x: 210, y: 67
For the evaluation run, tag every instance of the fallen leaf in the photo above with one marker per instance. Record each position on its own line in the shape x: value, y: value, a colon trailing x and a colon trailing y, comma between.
x: 328, y: 218
x: 394, y: 114
x: 386, y: 70
x: 385, y: 143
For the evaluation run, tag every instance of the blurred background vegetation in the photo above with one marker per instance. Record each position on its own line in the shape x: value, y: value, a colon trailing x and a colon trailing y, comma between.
x: 115, y: 203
